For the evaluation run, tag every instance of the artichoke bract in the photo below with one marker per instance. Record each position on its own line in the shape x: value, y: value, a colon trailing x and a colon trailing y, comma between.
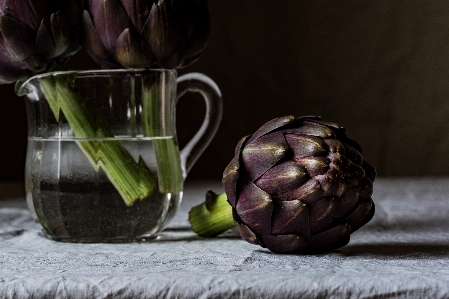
x: 36, y: 33
x: 299, y: 184
x: 146, y: 33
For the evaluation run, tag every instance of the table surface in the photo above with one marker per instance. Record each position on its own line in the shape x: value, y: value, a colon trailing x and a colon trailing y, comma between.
x: 402, y: 253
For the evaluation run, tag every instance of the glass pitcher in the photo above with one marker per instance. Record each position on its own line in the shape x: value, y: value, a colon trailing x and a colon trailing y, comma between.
x: 103, y: 163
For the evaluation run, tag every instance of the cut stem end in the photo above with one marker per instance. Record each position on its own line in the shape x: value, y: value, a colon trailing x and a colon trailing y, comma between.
x: 212, y: 217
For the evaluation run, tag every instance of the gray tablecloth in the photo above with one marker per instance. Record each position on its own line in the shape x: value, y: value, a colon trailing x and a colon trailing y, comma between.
x: 402, y: 253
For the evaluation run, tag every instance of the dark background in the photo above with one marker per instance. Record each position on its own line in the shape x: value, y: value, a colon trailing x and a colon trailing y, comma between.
x: 380, y: 68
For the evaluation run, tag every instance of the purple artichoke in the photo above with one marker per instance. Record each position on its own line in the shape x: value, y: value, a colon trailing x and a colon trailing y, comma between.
x: 299, y: 184
x: 36, y: 33
x: 142, y: 34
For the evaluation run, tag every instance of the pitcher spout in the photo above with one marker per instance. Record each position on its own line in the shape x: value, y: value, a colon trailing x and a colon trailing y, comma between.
x: 24, y: 87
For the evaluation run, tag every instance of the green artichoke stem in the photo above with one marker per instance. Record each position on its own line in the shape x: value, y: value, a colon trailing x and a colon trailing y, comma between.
x: 168, y: 161
x: 133, y: 180
x: 212, y: 217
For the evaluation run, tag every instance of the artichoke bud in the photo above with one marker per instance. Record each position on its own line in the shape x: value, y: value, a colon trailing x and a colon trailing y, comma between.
x: 142, y: 34
x: 299, y: 184
x: 36, y: 34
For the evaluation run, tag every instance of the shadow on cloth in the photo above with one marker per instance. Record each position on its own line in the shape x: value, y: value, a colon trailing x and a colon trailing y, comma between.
x: 431, y: 224
x: 396, y: 250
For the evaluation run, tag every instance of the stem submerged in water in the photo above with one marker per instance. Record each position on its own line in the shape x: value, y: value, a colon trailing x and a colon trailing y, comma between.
x: 133, y: 180
x: 166, y: 150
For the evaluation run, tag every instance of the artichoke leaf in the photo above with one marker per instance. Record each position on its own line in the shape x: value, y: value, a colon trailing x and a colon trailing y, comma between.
x: 29, y: 12
x: 138, y: 11
x: 281, y: 180
x: 314, y: 165
x: 230, y: 178
x: 313, y: 129
x: 359, y: 214
x: 308, y: 193
x: 290, y: 217
x: 366, y: 189
x: 96, y: 48
x: 16, y: 38
x: 110, y: 21
x: 335, y: 146
x: 263, y: 153
x: 131, y: 51
x: 248, y: 235
x: 60, y: 27
x: 353, y: 154
x: 164, y: 31
x: 349, y: 201
x: 272, y: 125
x: 333, y: 238
x: 45, y: 45
x: 10, y: 74
x: 255, y: 207
x: 306, y: 146
x: 323, y: 214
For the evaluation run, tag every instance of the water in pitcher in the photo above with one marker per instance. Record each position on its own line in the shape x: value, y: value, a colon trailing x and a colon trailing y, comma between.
x: 74, y: 200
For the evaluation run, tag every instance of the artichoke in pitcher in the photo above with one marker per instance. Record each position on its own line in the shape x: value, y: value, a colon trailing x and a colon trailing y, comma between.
x: 147, y: 34
x: 297, y: 185
x: 34, y: 34
x: 143, y: 34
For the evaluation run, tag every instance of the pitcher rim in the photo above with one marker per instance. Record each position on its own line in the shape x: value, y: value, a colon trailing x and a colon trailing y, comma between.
x: 20, y: 85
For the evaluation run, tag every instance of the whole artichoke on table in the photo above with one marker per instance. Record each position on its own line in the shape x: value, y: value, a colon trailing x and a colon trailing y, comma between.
x: 36, y: 33
x: 146, y: 33
x: 297, y: 185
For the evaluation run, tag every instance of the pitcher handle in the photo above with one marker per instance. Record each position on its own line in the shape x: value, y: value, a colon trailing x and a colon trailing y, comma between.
x: 196, y: 82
